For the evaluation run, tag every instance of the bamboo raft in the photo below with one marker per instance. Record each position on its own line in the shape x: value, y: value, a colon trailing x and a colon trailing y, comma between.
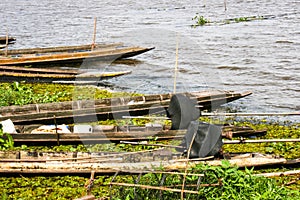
x: 44, y: 75
x: 100, y: 54
x: 110, y: 108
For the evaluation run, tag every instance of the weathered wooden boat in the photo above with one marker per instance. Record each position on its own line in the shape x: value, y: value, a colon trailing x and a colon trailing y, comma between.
x: 49, y: 135
x: 60, y: 49
x: 102, y: 54
x: 122, y: 162
x: 10, y: 40
x: 46, y: 75
x: 110, y: 108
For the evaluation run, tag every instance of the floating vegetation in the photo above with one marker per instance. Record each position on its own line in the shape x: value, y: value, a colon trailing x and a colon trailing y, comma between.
x: 6, y: 140
x: 25, y: 93
x: 201, y: 20
x: 222, y: 182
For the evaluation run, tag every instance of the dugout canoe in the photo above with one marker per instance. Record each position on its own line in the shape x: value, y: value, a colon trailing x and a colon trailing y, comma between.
x: 53, y: 135
x: 75, y: 57
x: 61, y: 49
x: 25, y: 162
x: 110, y: 108
x: 11, y: 40
x: 44, y: 75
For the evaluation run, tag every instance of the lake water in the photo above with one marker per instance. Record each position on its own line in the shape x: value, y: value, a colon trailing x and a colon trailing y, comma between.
x: 259, y: 55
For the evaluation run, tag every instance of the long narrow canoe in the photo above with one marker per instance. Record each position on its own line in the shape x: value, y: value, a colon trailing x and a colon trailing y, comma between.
x: 10, y: 40
x: 108, y: 55
x: 131, y: 162
x: 61, y: 49
x: 110, y: 108
x: 105, y: 134
x: 12, y: 74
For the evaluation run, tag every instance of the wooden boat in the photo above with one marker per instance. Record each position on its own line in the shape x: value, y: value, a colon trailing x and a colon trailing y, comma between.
x: 48, y: 135
x: 110, y: 108
x: 46, y: 75
x: 102, y: 54
x: 122, y: 162
x: 10, y: 40
x: 61, y: 49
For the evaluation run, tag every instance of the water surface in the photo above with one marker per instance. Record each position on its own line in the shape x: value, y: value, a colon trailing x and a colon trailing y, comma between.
x: 261, y: 55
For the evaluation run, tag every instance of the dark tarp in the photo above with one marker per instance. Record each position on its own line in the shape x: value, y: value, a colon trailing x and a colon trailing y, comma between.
x: 182, y: 111
x: 206, y: 139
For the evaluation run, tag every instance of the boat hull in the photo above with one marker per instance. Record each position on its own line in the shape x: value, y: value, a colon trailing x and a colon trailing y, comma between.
x: 111, y: 108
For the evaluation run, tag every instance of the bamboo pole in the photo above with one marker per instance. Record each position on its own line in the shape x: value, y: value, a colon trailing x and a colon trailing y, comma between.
x: 250, y: 114
x: 176, y: 65
x: 274, y: 174
x: 220, y: 114
x: 159, y: 172
x: 146, y: 144
x: 6, y: 43
x: 154, y: 187
x: 186, y: 164
x: 94, y: 34
x: 242, y: 141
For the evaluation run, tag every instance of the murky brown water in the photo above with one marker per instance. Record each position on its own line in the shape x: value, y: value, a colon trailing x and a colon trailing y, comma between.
x: 261, y: 55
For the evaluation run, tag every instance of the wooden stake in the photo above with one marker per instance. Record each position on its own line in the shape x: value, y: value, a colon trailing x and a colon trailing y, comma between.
x: 94, y: 35
x: 176, y: 65
x: 90, y: 183
x: 6, y: 43
x: 186, y: 165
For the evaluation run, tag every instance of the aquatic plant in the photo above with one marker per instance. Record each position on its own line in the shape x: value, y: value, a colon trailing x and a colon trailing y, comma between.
x: 25, y: 93
x: 21, y: 94
x: 6, y: 141
x: 200, y: 20
x: 226, y: 183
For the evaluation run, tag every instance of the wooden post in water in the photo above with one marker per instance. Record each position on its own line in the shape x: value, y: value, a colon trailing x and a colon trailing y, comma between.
x: 94, y: 34
x: 176, y: 65
x: 6, y: 43
x: 225, y: 5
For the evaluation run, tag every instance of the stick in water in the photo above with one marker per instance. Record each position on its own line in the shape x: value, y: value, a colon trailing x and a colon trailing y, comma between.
x: 94, y: 35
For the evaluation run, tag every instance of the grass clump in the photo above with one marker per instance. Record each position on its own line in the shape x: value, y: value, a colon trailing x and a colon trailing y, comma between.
x: 200, y: 20
x: 233, y: 184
